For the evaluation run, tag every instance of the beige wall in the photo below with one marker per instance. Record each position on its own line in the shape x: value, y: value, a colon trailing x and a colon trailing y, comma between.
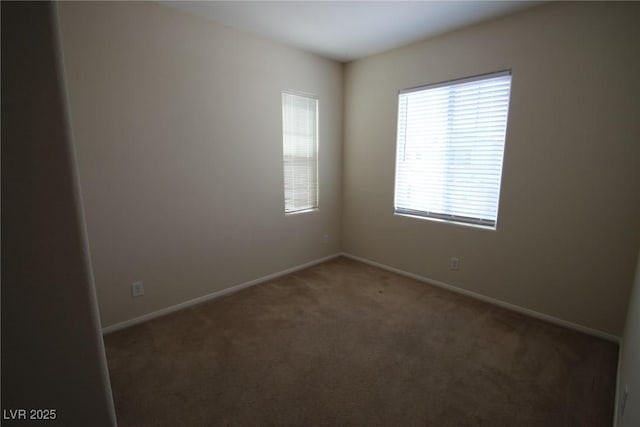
x: 52, y: 351
x: 177, y: 123
x: 569, y: 220
x: 629, y: 375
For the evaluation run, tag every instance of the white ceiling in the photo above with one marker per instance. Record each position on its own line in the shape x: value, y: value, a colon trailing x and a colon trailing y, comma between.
x: 348, y: 30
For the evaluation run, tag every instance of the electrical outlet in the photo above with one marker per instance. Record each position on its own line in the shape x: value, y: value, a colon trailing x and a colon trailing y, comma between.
x: 325, y: 239
x: 455, y: 263
x: 137, y: 289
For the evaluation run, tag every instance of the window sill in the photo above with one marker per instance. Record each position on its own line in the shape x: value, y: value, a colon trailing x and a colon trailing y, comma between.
x: 301, y: 212
x: 446, y: 221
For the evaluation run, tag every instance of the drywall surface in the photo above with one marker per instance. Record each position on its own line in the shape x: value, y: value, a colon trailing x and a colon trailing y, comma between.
x: 53, y: 359
x: 569, y: 217
x: 178, y: 127
x: 629, y: 376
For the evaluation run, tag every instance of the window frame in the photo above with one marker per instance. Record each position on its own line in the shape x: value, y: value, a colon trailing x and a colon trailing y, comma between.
x: 313, y: 207
x: 482, y: 223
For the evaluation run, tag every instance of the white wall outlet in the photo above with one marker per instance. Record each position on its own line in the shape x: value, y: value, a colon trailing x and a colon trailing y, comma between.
x: 137, y: 289
x: 325, y: 239
x: 455, y: 263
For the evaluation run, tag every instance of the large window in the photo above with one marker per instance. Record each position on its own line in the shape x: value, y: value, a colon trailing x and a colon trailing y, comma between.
x: 300, y: 152
x: 450, y: 147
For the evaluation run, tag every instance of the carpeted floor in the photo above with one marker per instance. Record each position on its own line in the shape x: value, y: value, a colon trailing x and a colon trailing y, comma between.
x: 347, y: 344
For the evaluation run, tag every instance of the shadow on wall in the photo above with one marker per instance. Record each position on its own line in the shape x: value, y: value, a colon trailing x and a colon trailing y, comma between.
x: 52, y: 352
x: 628, y: 409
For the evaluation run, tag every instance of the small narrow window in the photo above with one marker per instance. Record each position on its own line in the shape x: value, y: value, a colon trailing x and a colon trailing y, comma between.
x: 450, y: 148
x: 300, y: 152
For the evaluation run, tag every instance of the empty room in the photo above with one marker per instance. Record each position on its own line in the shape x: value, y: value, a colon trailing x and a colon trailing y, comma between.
x: 321, y: 213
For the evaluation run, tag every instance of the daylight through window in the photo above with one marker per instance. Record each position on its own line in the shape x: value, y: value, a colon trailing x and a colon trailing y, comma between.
x: 450, y: 148
x: 300, y: 152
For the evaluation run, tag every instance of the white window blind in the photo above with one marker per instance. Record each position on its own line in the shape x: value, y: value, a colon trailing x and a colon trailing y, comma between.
x: 300, y: 151
x: 450, y: 147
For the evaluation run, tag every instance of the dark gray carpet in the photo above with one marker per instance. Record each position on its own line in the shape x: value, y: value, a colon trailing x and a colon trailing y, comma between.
x: 343, y: 343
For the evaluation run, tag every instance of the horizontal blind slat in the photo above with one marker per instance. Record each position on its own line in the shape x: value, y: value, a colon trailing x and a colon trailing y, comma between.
x: 450, y: 148
x: 300, y: 152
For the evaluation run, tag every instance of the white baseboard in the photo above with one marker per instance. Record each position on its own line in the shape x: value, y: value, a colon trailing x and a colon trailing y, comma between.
x: 213, y: 295
x: 236, y: 288
x: 509, y: 306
